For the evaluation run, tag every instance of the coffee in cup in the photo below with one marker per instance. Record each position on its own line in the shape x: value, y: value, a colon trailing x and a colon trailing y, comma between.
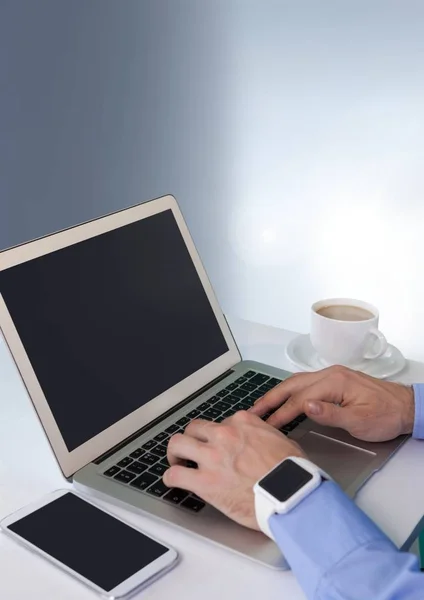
x: 345, y: 312
x: 345, y: 331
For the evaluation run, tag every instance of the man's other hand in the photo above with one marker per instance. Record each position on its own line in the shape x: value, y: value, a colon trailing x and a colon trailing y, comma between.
x: 369, y: 409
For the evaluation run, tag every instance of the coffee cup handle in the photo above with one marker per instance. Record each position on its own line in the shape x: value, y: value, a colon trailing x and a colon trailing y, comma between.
x: 381, y: 346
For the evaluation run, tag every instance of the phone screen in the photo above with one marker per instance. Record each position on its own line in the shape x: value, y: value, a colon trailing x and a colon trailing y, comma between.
x: 91, y: 542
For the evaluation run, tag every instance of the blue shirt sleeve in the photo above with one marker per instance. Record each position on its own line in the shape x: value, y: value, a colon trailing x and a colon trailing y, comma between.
x: 338, y: 553
x: 419, y: 411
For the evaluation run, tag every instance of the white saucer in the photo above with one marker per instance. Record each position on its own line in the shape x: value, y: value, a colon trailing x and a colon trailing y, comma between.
x: 301, y: 353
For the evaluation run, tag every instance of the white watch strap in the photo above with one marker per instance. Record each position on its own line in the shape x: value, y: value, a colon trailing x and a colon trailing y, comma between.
x: 265, y: 508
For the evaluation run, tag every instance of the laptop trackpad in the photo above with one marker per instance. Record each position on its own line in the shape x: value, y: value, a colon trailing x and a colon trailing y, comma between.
x: 343, y: 462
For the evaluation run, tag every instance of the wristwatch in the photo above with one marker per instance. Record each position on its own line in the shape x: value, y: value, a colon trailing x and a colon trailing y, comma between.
x: 287, y: 484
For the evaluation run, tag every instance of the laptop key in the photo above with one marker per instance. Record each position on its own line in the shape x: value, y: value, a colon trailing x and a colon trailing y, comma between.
x: 240, y: 380
x: 172, y: 428
x: 301, y: 418
x: 149, y: 459
x: 249, y: 387
x: 212, y: 413
x: 232, y: 399
x: 158, y: 489
x: 239, y: 393
x: 149, y: 444
x: 137, y: 453
x: 161, y: 436
x: 233, y: 386
x: 241, y: 406
x: 159, y: 450
x: 137, y: 467
x: 112, y: 471
x: 143, y: 481
x: 249, y: 401
x: 204, y: 406
x: 125, y: 461
x: 259, y: 379
x: 264, y: 389
x: 223, y: 393
x: 193, y: 414
x: 214, y: 399
x: 206, y: 417
x: 158, y: 469
x: 229, y: 413
x: 219, y: 419
x: 274, y: 381
x: 183, y: 421
x: 165, y: 462
x: 250, y: 374
x: 125, y: 476
x: 193, y: 504
x: 175, y: 495
x: 222, y: 406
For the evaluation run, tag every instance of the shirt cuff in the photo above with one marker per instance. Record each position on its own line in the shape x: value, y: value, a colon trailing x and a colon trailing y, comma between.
x: 418, y: 432
x: 320, y: 531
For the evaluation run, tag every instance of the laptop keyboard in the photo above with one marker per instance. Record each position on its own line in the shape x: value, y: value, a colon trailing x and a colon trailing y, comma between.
x: 144, y: 467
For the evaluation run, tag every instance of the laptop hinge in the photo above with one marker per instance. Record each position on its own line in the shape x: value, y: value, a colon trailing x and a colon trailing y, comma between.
x: 162, y: 417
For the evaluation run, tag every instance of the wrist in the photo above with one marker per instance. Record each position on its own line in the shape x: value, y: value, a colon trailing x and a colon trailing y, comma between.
x: 284, y: 487
x: 408, y: 413
x: 418, y: 431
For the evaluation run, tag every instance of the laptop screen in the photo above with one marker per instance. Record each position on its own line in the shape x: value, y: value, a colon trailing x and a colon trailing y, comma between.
x: 111, y: 322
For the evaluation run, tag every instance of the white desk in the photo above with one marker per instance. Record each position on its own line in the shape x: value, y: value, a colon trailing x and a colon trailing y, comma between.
x: 394, y: 498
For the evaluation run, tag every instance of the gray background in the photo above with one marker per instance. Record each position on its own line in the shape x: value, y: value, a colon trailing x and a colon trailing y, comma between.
x: 292, y: 134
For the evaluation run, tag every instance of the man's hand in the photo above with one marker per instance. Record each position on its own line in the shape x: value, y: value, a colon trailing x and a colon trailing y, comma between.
x: 231, y: 456
x: 369, y: 409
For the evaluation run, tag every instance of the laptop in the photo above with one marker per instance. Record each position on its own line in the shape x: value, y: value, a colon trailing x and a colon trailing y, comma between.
x: 121, y: 342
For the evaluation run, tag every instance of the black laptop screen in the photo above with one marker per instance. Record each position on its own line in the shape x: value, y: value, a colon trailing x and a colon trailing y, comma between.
x: 112, y: 322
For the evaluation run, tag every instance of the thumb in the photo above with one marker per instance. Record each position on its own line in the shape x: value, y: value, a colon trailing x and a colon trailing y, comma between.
x: 326, y: 413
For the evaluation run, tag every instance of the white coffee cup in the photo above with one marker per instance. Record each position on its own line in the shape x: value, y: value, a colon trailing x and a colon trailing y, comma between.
x: 345, y: 331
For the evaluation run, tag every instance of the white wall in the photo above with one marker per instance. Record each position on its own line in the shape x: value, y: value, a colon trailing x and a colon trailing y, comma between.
x: 292, y: 133
x: 327, y: 137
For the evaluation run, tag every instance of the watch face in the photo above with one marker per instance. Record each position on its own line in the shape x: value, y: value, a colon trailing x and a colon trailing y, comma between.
x: 285, y: 480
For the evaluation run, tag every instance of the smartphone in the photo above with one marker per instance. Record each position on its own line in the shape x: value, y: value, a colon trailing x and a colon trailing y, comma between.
x: 110, y: 556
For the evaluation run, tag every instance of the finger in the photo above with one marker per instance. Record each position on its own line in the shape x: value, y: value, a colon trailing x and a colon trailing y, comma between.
x: 284, y: 390
x: 185, y: 447
x: 181, y: 477
x: 327, y: 413
x: 200, y: 429
x: 326, y: 390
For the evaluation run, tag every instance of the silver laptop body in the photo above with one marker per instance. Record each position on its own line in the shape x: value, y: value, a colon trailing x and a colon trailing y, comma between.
x: 120, y: 341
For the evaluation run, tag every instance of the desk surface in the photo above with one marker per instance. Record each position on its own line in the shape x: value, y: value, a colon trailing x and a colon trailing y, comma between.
x: 394, y: 498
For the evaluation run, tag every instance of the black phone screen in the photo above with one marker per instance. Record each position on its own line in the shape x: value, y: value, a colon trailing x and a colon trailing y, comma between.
x: 99, y: 547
